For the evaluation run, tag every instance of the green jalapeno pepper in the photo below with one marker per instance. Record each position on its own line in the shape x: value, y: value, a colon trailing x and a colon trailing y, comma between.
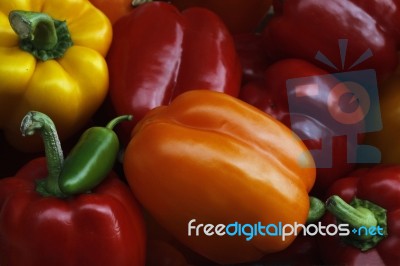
x: 88, y: 163
x: 91, y: 159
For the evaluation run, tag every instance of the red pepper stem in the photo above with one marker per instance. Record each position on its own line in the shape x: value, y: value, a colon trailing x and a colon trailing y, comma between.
x: 117, y: 120
x: 355, y: 217
x: 40, y: 34
x: 367, y: 221
x: 36, y: 121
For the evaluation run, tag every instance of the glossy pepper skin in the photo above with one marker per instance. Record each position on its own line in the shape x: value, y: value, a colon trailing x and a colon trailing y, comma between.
x: 211, y: 157
x: 91, y: 158
x: 158, y: 52
x: 381, y: 186
x: 41, y: 225
x: 271, y: 95
x: 69, y: 88
x: 303, y: 27
x: 238, y: 15
x: 100, y: 228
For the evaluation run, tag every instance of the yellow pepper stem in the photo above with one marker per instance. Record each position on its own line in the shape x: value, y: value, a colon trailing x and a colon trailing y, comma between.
x: 40, y: 34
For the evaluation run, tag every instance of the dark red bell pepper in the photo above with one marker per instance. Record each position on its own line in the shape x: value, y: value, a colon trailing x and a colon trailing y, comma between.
x: 252, y: 55
x: 303, y: 251
x: 271, y: 95
x: 161, y: 253
x: 159, y: 52
x: 303, y: 28
x: 377, y: 191
x: 239, y: 16
x: 42, y: 226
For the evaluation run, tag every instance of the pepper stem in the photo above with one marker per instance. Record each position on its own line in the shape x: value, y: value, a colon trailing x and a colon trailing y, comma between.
x: 316, y: 211
x: 40, y: 34
x: 367, y: 220
x: 117, y: 120
x: 36, y: 121
x: 136, y: 3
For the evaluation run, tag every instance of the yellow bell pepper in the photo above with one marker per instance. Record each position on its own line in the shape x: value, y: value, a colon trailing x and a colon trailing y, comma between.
x: 52, y: 60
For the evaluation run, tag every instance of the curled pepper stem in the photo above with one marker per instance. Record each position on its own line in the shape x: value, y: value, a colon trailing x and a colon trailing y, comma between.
x: 40, y: 34
x: 36, y: 121
x: 316, y: 211
x: 360, y: 214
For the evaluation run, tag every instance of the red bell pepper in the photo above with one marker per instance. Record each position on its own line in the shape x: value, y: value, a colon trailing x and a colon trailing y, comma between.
x: 271, y: 95
x: 158, y: 52
x: 302, y: 28
x: 40, y: 225
x: 252, y: 55
x: 303, y: 251
x: 116, y: 9
x: 163, y: 249
x: 239, y: 16
x: 161, y: 253
x: 377, y: 193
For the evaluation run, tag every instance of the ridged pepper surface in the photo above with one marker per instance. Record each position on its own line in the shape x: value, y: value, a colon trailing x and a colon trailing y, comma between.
x: 212, y: 157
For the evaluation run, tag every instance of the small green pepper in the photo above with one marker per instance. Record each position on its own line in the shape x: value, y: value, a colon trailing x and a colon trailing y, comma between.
x: 91, y: 159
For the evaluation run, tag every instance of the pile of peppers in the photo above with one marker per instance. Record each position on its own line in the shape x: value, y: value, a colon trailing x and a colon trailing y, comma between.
x: 170, y: 132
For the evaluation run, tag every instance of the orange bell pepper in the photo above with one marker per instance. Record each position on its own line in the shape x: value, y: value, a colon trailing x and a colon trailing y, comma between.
x: 211, y: 157
x: 113, y: 9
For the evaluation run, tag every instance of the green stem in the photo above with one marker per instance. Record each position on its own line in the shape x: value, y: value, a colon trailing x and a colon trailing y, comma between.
x: 368, y: 221
x: 316, y: 211
x: 347, y: 213
x: 40, y: 34
x: 117, y: 120
x: 36, y: 121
